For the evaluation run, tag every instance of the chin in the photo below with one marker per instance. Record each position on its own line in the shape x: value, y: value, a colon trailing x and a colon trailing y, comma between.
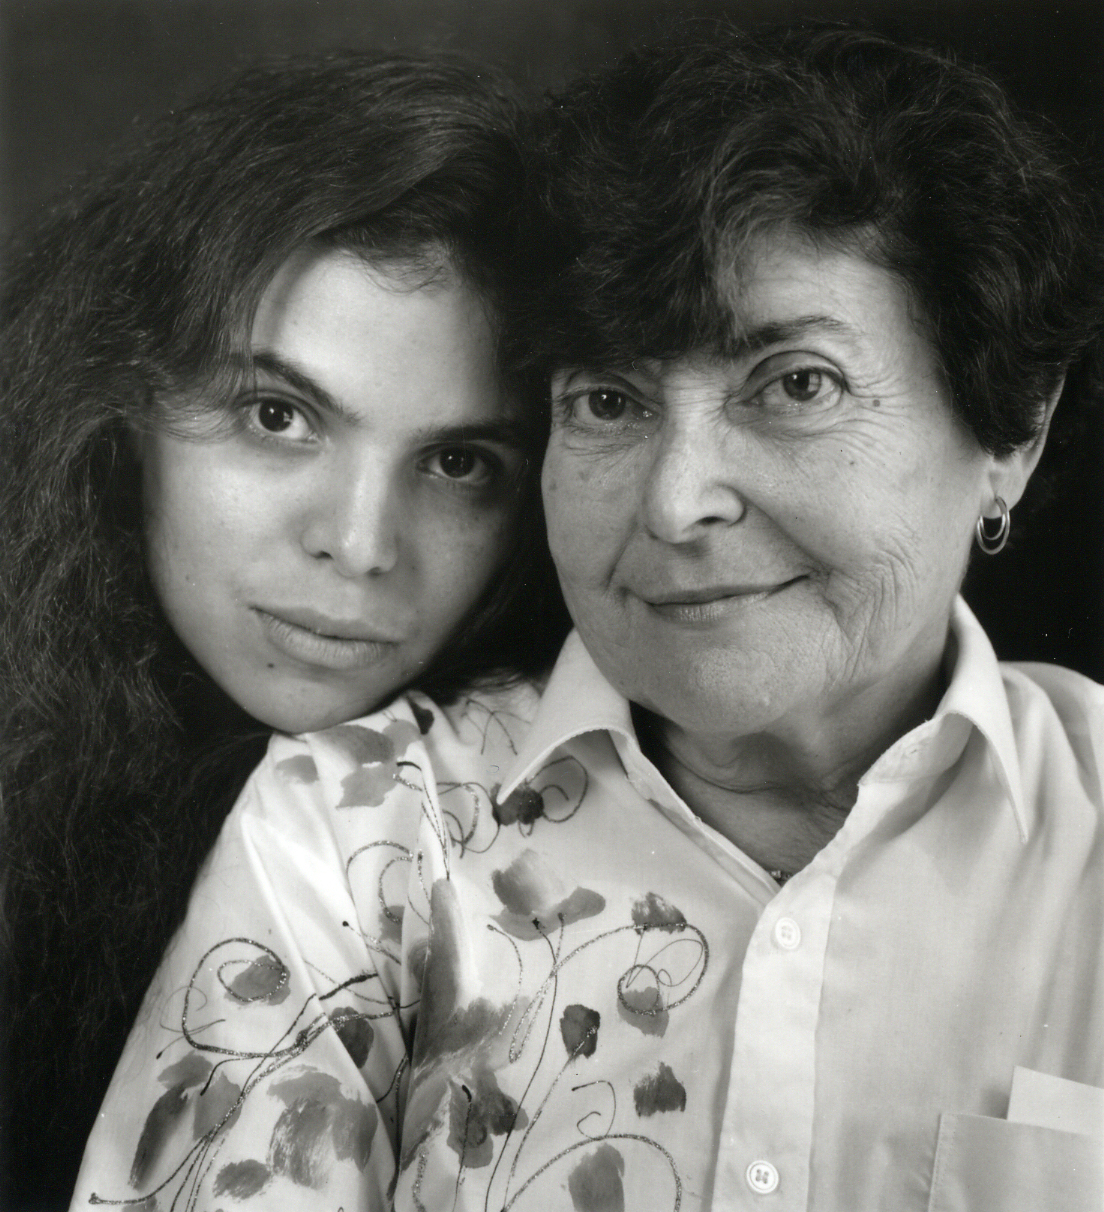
x: 293, y: 711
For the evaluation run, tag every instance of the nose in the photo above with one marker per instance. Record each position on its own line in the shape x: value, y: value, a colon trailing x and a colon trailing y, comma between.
x: 353, y: 516
x: 689, y: 488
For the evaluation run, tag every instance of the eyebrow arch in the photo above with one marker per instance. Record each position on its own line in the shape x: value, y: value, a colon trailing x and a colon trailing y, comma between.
x: 505, y: 431
x: 778, y: 332
x: 598, y: 371
x: 272, y: 364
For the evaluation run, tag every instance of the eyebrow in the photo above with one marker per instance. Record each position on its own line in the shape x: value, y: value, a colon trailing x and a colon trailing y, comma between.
x: 740, y: 344
x: 506, y: 431
x: 778, y: 332
x: 272, y: 364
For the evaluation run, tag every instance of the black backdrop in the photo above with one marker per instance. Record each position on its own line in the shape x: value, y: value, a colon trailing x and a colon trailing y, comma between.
x: 76, y: 74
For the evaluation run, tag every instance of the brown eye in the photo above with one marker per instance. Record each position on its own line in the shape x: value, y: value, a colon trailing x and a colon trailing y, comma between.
x: 457, y: 464
x: 606, y: 405
x: 802, y: 385
x: 274, y: 416
x: 463, y: 465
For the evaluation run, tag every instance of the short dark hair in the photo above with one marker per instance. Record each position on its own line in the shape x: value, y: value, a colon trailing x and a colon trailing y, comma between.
x: 118, y: 756
x: 655, y: 175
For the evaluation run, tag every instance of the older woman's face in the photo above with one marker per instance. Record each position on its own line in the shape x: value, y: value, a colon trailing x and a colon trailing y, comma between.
x: 760, y: 543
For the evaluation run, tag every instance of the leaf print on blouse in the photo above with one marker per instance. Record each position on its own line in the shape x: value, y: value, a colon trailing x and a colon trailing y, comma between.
x: 242, y: 1179
x: 214, y: 1103
x: 555, y: 792
x: 376, y: 754
x: 596, y: 1185
x: 485, y: 1076
x: 299, y: 768
x: 652, y: 912
x: 460, y: 1041
x: 250, y: 1041
x: 479, y: 1110
x: 536, y: 900
x: 319, y: 1124
x: 659, y: 1091
x: 579, y: 1030
x: 261, y: 979
x: 476, y: 814
x: 355, y: 1032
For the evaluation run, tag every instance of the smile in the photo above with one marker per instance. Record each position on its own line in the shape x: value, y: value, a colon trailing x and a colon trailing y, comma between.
x: 711, y: 604
x: 326, y: 643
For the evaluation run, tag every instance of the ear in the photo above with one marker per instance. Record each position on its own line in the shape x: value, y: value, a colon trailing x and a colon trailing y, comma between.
x: 1008, y: 476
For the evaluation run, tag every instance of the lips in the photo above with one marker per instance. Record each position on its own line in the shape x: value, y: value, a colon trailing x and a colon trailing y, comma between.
x: 690, y: 597
x: 710, y: 603
x: 324, y: 642
x: 333, y: 628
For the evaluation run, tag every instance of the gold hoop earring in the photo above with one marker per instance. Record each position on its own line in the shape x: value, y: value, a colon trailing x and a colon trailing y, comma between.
x: 992, y: 543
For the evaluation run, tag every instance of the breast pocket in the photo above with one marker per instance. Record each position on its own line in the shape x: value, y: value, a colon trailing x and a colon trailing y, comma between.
x: 990, y: 1165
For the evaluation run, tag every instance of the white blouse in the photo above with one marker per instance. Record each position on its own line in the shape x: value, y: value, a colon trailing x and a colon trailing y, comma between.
x: 486, y: 958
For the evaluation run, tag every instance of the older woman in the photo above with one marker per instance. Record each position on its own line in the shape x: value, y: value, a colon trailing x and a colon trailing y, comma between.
x: 789, y: 896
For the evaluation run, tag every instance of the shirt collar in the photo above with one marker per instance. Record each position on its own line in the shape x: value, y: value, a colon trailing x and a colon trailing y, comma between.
x: 578, y: 700
x: 976, y: 693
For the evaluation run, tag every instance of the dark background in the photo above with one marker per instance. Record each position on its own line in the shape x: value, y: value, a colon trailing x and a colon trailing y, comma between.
x: 76, y: 74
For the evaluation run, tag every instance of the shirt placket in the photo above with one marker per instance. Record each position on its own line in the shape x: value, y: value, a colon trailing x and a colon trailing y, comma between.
x: 767, y: 1128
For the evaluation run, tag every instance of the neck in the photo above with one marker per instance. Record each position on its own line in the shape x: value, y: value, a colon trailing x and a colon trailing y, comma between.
x: 780, y: 797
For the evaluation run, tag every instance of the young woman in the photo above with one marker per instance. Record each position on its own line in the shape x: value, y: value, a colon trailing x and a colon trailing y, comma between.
x: 266, y: 465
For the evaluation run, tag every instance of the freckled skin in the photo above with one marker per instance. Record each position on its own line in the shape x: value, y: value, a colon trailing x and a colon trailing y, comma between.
x: 822, y: 475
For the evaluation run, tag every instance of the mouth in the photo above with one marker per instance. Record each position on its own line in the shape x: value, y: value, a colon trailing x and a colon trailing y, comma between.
x: 315, y: 639
x: 709, y: 604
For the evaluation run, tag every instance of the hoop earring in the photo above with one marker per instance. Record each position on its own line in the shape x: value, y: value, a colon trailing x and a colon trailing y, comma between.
x: 992, y: 543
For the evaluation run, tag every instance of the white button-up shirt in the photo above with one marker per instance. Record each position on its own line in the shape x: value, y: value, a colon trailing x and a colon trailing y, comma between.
x: 451, y: 959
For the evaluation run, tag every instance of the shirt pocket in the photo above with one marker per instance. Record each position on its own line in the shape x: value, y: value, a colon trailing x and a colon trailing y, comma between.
x: 990, y: 1165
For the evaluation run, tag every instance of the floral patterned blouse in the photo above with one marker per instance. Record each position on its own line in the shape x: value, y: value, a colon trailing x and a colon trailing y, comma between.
x: 439, y: 960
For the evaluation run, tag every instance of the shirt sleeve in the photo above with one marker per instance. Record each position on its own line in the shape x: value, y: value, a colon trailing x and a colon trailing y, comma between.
x: 268, y: 1064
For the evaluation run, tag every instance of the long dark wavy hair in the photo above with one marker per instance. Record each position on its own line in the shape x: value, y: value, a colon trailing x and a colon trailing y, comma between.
x: 118, y: 756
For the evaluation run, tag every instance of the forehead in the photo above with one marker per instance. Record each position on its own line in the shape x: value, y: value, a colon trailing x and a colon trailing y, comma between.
x: 788, y: 283
x: 368, y: 335
x: 787, y: 289
x: 778, y: 285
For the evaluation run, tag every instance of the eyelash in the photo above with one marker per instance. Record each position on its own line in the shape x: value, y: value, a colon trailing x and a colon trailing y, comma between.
x: 491, y: 466
x: 251, y: 407
x: 568, y: 408
x: 569, y: 403
x: 777, y: 380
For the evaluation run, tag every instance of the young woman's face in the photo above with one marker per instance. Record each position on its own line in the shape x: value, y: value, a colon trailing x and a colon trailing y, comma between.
x: 315, y: 555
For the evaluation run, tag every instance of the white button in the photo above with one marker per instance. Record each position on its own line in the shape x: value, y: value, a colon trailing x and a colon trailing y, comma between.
x: 787, y: 934
x: 762, y: 1177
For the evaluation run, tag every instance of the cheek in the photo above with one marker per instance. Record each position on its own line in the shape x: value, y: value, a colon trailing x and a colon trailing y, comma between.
x: 461, y: 555
x: 588, y: 513
x: 204, y: 527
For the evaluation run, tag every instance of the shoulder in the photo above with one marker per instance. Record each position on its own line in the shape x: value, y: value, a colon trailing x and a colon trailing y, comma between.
x: 484, y: 725
x: 371, y: 774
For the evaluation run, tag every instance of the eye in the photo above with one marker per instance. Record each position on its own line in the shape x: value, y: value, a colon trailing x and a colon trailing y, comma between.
x: 804, y: 386
x: 278, y: 418
x: 603, y: 410
x: 606, y: 405
x: 462, y: 464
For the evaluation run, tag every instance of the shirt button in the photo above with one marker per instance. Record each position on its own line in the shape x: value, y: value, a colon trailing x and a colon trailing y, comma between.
x: 787, y: 934
x: 762, y: 1177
